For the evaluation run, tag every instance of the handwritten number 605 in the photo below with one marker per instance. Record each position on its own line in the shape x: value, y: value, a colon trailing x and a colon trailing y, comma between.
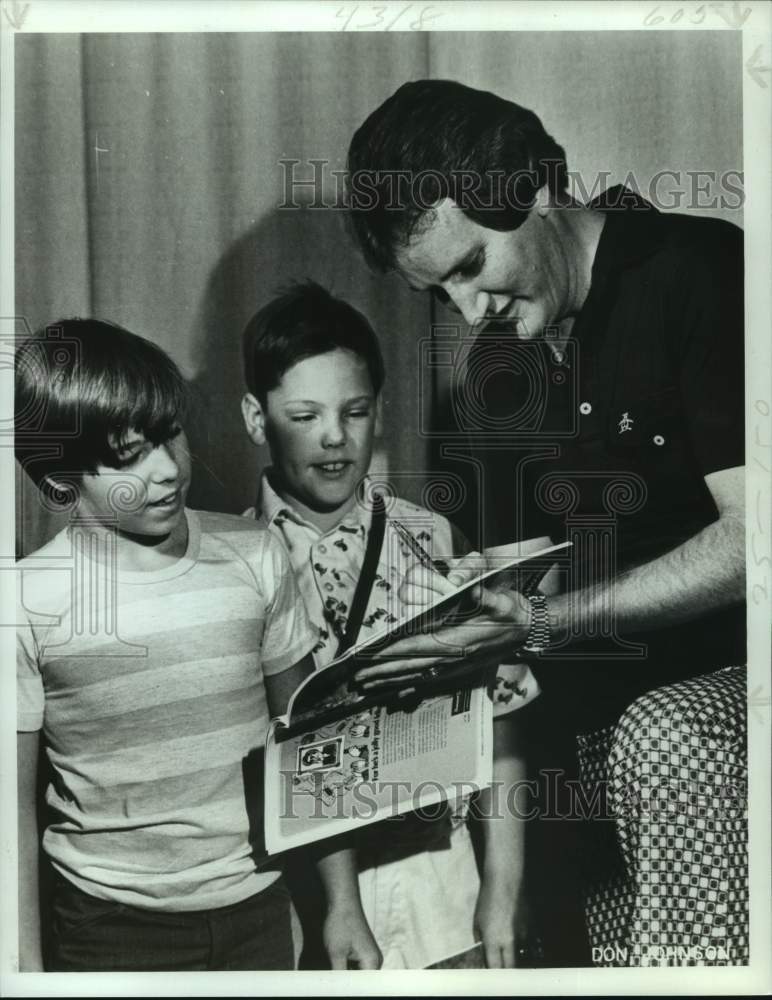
x: 653, y: 17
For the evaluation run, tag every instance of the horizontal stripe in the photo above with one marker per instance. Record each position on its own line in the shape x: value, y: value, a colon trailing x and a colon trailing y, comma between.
x: 220, y: 834
x: 75, y: 671
x: 166, y: 758
x: 149, y: 620
x: 139, y: 800
x: 55, y: 595
x: 128, y: 693
x: 222, y: 869
x: 30, y: 702
x: 150, y: 727
x: 218, y: 603
x: 223, y: 890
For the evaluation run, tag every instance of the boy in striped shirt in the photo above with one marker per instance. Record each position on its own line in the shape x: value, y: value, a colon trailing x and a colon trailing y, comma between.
x: 154, y: 644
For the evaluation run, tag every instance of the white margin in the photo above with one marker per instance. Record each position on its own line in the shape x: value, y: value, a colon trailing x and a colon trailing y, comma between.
x: 507, y: 15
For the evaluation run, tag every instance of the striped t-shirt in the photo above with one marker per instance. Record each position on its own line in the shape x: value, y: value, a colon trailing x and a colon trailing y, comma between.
x: 148, y: 687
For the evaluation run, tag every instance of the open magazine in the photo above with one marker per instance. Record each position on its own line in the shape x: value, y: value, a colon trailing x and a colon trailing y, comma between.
x: 343, y: 756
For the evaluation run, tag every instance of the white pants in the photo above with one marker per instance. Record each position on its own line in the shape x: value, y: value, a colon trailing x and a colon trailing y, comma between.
x: 420, y: 907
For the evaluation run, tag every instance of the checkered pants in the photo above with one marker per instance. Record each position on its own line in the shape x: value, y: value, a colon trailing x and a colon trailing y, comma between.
x: 668, y: 870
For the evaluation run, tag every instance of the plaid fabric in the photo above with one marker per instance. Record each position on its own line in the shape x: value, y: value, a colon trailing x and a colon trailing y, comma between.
x: 668, y: 869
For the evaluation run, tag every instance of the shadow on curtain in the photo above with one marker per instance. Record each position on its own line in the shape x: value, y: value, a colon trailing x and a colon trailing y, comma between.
x: 148, y: 177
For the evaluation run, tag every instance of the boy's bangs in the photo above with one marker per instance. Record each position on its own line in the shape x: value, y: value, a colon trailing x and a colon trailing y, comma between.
x: 149, y: 400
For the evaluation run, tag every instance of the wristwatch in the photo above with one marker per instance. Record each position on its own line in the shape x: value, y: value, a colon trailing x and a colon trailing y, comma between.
x: 539, y: 634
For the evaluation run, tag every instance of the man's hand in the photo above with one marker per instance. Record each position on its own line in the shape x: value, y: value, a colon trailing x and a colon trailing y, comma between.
x: 499, y: 627
x: 348, y: 939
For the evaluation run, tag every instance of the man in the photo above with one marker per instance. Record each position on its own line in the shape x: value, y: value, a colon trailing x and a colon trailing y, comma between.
x: 624, y: 431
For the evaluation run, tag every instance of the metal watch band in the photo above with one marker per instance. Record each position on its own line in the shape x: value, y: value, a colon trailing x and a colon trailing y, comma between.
x: 538, y: 638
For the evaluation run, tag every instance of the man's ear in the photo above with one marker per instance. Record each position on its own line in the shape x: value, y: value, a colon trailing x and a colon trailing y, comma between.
x: 378, y: 416
x: 254, y: 418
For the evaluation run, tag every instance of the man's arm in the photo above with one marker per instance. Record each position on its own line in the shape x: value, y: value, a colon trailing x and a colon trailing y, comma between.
x: 496, y: 913
x: 705, y: 573
x: 30, y: 951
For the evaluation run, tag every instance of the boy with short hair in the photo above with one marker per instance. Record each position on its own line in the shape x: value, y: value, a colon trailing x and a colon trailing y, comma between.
x: 314, y: 372
x: 156, y: 642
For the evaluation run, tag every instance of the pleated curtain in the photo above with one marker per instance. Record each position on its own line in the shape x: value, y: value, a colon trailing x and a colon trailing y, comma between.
x: 149, y: 181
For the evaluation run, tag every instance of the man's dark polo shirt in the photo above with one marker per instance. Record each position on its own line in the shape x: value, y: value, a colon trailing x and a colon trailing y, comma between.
x: 611, y: 447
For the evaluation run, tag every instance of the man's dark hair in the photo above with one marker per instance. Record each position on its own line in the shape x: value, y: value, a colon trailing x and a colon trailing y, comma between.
x: 80, y: 383
x: 435, y: 139
x: 302, y: 322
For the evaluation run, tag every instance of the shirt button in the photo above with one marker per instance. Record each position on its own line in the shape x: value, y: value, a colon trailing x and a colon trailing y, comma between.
x: 328, y: 586
x: 585, y: 408
x: 322, y: 549
x: 658, y: 439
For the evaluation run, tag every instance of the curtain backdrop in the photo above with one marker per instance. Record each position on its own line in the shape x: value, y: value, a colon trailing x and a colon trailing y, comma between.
x: 148, y: 183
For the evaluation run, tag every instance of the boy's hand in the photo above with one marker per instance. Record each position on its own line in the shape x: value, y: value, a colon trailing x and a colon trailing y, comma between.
x: 347, y: 937
x: 349, y: 941
x: 494, y: 921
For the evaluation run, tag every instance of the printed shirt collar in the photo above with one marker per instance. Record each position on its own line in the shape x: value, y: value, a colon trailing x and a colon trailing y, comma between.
x: 270, y: 506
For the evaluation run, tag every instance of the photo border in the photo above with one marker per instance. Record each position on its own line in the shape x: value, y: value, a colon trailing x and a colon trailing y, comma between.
x: 753, y: 20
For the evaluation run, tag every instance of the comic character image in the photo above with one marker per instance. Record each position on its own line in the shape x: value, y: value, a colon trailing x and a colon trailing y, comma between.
x: 320, y: 756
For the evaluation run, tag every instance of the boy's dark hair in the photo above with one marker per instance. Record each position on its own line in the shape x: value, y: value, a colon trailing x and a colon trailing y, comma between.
x: 305, y: 320
x: 436, y: 139
x: 79, y: 382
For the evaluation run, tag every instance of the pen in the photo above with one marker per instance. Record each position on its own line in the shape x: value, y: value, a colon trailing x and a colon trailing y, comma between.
x: 438, y: 565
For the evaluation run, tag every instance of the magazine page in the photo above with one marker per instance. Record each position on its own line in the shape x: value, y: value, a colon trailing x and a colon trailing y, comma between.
x: 329, y: 692
x: 378, y: 762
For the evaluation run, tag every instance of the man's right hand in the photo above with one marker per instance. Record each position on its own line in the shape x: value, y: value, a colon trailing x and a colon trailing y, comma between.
x: 490, y: 637
x: 420, y: 586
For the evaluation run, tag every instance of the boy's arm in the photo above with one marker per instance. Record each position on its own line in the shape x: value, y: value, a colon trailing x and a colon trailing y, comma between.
x: 280, y: 687
x: 503, y: 835
x: 30, y: 951
x: 347, y: 936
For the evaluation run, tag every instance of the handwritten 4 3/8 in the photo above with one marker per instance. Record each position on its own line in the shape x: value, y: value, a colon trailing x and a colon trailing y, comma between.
x: 421, y: 17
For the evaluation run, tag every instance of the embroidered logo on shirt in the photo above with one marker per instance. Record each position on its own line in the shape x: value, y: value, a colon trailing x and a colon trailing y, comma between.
x: 626, y: 423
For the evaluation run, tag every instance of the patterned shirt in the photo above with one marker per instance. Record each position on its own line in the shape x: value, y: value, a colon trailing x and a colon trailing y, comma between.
x: 327, y: 566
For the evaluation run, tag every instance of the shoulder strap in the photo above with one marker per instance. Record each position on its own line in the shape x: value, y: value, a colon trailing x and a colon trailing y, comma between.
x: 366, y: 576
